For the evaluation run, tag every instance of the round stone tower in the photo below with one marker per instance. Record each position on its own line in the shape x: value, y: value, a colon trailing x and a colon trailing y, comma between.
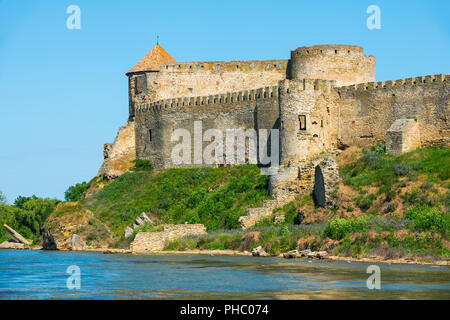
x: 345, y: 64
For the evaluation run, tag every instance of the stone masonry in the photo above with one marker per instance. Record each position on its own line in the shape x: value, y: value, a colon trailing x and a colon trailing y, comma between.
x: 402, y: 136
x: 322, y: 99
x: 156, y: 241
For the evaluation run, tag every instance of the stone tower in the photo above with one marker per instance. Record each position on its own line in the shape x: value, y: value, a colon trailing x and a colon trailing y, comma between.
x: 142, y: 76
x: 345, y: 64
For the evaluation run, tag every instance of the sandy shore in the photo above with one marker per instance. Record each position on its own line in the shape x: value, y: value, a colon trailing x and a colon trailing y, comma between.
x: 332, y: 258
x: 246, y: 253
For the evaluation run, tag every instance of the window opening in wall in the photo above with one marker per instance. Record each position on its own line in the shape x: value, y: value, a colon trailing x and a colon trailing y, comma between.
x: 218, y: 67
x: 302, y: 122
x: 150, y: 134
x: 321, y: 123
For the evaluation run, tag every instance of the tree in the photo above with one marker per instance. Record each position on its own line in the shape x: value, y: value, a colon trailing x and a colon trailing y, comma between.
x: 2, y: 197
x: 41, y: 208
x: 27, y: 216
x: 75, y: 192
x: 21, y: 200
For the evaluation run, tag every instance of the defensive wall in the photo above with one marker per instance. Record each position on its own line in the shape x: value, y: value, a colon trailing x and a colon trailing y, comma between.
x: 156, y: 121
x: 367, y: 110
x: 203, y: 78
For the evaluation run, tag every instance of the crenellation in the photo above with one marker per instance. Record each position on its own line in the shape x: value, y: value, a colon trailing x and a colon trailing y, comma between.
x: 211, y: 100
x: 407, y: 82
x: 332, y: 50
x: 224, y: 66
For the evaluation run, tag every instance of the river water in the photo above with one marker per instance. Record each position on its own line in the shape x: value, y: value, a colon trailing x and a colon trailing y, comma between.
x: 28, y: 274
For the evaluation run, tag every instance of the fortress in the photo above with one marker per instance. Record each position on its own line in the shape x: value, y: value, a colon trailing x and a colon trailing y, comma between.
x: 324, y: 98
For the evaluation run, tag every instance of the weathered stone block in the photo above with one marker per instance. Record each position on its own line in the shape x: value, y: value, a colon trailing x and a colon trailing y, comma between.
x: 156, y: 241
x: 403, y: 136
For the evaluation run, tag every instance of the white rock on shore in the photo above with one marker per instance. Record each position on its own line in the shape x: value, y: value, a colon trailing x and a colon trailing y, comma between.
x: 11, y: 245
x: 259, y: 252
x: 305, y: 253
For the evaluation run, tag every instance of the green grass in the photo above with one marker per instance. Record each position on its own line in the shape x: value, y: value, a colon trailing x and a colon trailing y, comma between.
x: 274, y: 239
x: 356, y: 237
x: 422, y: 232
x: 215, y: 197
x: 376, y: 168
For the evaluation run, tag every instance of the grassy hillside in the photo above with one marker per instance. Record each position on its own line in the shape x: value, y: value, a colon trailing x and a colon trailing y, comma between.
x: 387, y: 206
x: 215, y: 197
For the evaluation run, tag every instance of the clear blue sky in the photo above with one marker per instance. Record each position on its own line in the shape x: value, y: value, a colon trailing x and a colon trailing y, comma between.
x: 63, y: 93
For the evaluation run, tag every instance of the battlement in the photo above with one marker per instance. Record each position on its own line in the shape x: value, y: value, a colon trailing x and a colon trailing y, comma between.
x: 228, y: 98
x: 330, y: 50
x: 224, y: 66
x: 407, y: 82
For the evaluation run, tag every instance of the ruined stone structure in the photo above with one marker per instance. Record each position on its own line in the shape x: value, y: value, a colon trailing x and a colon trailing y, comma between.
x: 322, y: 99
x: 156, y: 241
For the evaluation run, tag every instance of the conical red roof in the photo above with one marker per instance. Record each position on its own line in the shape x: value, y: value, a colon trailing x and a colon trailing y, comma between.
x: 153, y: 60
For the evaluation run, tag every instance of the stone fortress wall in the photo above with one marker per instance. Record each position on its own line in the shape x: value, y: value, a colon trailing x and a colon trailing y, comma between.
x: 367, y: 110
x: 324, y: 98
x: 188, y: 79
x: 156, y: 121
x: 360, y: 114
x: 310, y: 85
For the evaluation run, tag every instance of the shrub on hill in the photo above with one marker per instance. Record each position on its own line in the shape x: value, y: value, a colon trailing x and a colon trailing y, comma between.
x: 74, y: 193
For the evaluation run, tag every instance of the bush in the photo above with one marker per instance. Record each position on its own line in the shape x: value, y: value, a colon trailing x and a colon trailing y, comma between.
x: 365, y: 203
x: 142, y: 165
x: 379, y: 148
x: 391, y: 207
x: 401, y: 170
x: 425, y: 218
x: 373, y: 160
x: 2, y: 197
x: 340, y: 228
x: 74, y: 193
